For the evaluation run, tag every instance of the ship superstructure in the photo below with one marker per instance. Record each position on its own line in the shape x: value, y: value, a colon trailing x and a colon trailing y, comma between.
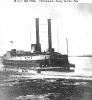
x: 36, y: 59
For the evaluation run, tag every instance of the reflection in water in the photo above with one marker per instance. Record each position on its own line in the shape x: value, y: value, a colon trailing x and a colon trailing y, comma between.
x: 16, y: 88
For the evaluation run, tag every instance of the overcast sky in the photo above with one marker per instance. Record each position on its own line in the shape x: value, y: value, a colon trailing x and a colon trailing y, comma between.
x: 69, y: 20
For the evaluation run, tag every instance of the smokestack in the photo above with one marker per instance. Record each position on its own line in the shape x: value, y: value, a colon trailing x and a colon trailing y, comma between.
x: 49, y: 34
x: 36, y: 48
x: 37, y: 31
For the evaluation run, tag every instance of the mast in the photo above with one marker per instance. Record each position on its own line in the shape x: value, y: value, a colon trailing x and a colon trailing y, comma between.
x: 30, y: 37
x: 11, y: 44
x: 57, y: 39
x: 67, y: 47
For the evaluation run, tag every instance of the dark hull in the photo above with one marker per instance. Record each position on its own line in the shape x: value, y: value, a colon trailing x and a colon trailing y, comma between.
x: 58, y: 69
x: 40, y: 65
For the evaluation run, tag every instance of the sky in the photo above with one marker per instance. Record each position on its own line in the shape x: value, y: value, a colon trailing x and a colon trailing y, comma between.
x: 68, y: 20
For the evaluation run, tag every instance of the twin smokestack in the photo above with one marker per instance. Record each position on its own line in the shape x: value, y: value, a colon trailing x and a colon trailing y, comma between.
x: 37, y: 31
x: 49, y: 33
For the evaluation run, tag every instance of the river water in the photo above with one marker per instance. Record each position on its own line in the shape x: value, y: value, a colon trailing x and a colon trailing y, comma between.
x: 53, y: 86
x: 83, y: 65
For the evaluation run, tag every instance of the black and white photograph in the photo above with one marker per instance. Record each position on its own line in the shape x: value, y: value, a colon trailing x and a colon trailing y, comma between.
x: 45, y: 50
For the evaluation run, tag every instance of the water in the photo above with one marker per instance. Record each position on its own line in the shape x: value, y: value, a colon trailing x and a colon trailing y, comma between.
x: 17, y: 86
x: 83, y: 65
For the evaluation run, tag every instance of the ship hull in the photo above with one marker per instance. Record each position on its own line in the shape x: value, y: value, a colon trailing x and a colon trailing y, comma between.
x: 40, y: 64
